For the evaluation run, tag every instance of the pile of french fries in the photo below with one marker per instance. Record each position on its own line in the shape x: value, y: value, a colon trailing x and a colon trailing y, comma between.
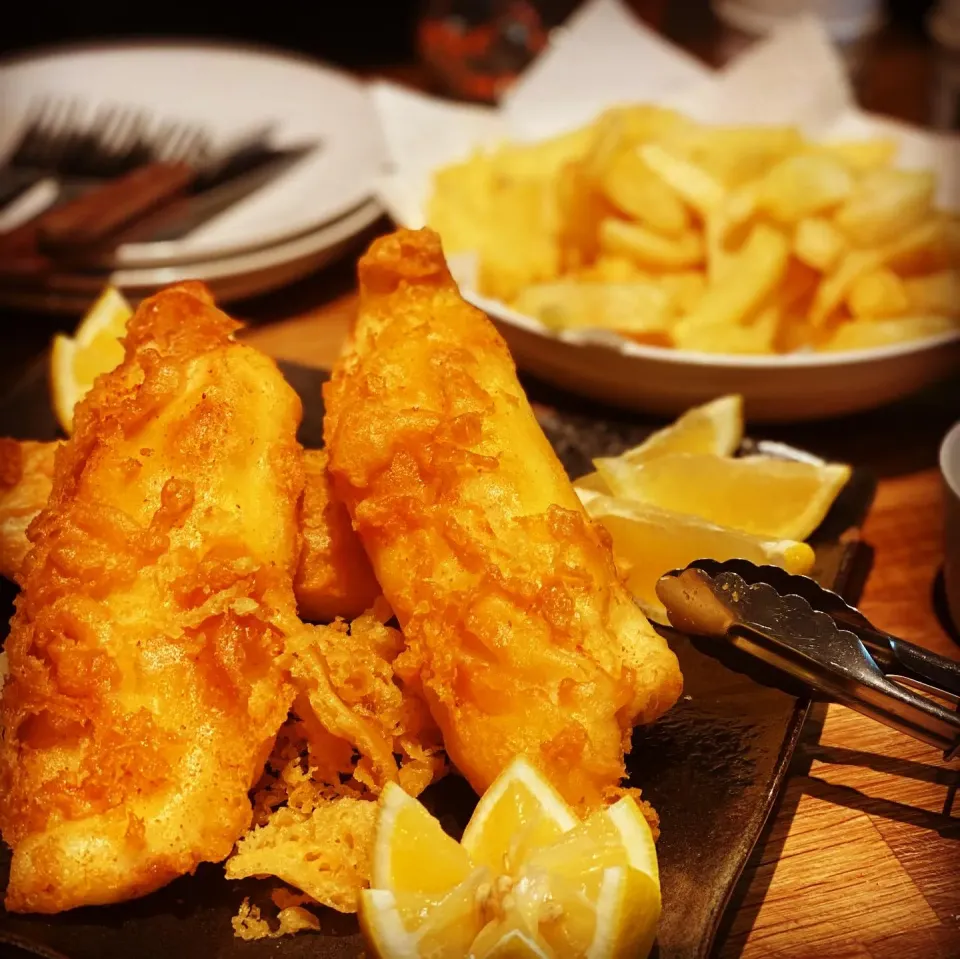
x: 749, y: 240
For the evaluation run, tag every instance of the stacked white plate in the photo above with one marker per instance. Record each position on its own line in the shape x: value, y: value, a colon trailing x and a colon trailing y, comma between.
x: 288, y: 228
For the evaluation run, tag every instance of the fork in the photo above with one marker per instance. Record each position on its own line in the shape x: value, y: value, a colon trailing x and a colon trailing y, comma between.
x: 58, y: 143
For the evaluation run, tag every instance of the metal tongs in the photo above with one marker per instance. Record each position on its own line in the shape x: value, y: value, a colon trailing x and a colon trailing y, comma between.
x: 810, y: 633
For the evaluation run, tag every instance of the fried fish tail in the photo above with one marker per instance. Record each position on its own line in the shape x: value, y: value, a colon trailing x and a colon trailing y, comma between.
x: 145, y: 692
x: 526, y: 639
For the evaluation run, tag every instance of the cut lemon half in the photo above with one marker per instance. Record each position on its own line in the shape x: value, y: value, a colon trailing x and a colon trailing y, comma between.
x: 529, y: 879
x: 649, y: 541
x: 94, y: 348
x: 760, y: 495
x: 715, y: 427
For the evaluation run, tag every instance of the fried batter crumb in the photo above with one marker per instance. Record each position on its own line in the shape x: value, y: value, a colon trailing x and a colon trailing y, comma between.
x: 284, y: 898
x: 249, y: 925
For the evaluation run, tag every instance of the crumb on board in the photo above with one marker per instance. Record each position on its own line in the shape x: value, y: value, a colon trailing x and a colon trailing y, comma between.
x: 249, y: 925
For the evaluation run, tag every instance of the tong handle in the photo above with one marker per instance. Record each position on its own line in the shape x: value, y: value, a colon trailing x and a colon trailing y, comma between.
x: 861, y: 685
x: 897, y: 657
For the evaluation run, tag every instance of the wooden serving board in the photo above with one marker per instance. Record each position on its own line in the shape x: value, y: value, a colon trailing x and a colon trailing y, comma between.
x: 712, y: 766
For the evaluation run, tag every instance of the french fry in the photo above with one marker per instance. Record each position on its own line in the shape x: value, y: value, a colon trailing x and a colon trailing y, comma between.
x: 859, y: 336
x: 818, y: 243
x: 650, y: 249
x: 644, y: 123
x: 580, y: 209
x: 880, y: 293
x: 607, y: 268
x: 804, y: 185
x: 524, y: 246
x: 750, y: 281
x: 542, y: 160
x: 834, y: 289
x: 934, y: 293
x: 798, y: 288
x: 756, y: 337
x: 886, y: 204
x: 685, y: 289
x: 860, y: 156
x: 696, y: 186
x: 726, y: 228
x: 933, y: 245
x: 738, y: 155
x: 627, y: 307
x: 632, y: 187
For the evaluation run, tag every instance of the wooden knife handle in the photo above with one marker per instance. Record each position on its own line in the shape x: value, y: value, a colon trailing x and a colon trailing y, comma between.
x: 94, y: 216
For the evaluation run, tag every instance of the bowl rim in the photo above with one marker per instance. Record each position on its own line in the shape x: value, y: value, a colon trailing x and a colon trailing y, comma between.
x: 608, y: 340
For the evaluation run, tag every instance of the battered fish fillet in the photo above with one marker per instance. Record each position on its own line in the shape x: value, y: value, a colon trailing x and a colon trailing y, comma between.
x: 334, y: 577
x: 525, y: 638
x: 26, y: 475
x: 145, y: 692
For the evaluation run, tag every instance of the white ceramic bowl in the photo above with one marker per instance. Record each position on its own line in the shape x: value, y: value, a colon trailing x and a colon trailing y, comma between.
x: 950, y: 468
x: 781, y: 388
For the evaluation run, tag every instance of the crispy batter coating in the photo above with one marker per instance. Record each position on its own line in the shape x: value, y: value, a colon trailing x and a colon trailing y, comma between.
x: 524, y: 637
x: 363, y: 723
x: 145, y: 691
x: 326, y: 852
x: 26, y: 475
x: 334, y: 577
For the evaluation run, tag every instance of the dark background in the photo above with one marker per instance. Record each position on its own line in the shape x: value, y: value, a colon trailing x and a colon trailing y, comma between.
x: 355, y: 33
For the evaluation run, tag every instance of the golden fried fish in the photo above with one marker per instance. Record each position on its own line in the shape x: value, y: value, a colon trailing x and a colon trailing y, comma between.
x: 145, y: 692
x: 526, y: 640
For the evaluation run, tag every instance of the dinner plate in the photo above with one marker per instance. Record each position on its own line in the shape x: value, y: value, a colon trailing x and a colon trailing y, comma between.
x: 229, y: 278
x: 227, y: 90
x: 712, y: 766
x: 781, y: 388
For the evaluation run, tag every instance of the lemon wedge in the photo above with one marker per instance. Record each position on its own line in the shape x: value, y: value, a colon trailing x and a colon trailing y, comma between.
x: 529, y: 879
x: 760, y: 495
x: 715, y: 427
x: 94, y: 348
x: 649, y: 541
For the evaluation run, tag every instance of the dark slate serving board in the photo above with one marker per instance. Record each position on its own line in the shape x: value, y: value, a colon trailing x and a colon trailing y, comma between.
x: 712, y: 766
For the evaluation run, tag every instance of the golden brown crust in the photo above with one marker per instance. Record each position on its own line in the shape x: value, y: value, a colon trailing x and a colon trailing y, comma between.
x: 524, y: 637
x: 26, y: 476
x: 145, y: 693
x: 334, y: 578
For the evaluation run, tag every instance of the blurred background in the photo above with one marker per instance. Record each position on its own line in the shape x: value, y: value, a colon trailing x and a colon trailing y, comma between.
x: 384, y: 34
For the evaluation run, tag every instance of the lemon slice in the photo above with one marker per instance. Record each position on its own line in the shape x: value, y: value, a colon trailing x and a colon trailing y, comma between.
x: 528, y: 879
x: 715, y: 427
x: 649, y: 541
x: 760, y: 495
x: 94, y: 348
x: 517, y: 813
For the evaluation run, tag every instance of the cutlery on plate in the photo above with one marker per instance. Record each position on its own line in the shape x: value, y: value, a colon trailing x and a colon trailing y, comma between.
x: 62, y: 142
x: 813, y: 636
x: 156, y: 202
x: 217, y: 191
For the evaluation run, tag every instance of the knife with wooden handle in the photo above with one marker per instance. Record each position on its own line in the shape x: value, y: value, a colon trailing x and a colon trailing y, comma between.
x: 95, y: 216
